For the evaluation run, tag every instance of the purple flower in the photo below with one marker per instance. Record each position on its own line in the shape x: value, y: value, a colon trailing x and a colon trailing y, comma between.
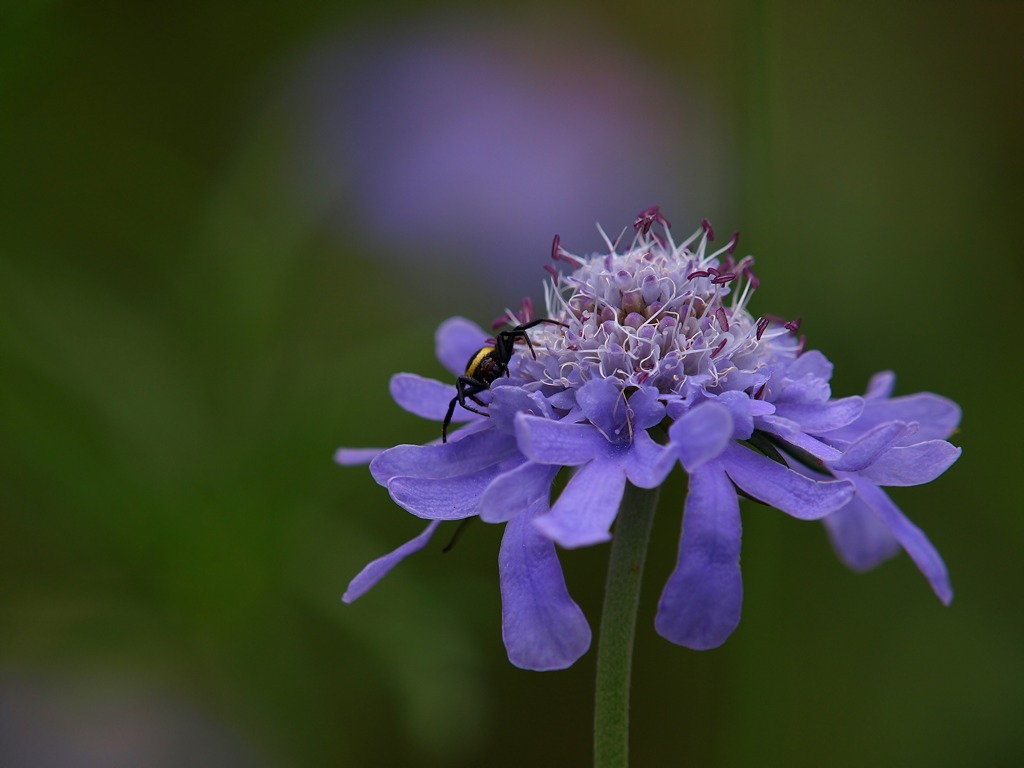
x: 895, y: 441
x: 448, y: 103
x: 656, y: 362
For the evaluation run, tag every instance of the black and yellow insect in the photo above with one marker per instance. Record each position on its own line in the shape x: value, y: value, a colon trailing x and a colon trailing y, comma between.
x: 486, y: 366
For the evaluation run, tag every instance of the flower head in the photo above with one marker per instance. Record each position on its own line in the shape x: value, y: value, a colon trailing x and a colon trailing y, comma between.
x: 655, y: 361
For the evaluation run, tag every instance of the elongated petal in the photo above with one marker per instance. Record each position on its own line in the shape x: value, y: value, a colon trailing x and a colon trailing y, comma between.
x: 647, y: 464
x: 472, y: 453
x: 937, y: 417
x: 353, y: 457
x: 816, y: 418
x: 426, y: 398
x: 380, y: 567
x: 914, y: 464
x: 867, y: 449
x: 702, y: 434
x: 744, y: 410
x: 586, y: 509
x: 700, y: 605
x: 604, y: 405
x: 801, y: 389
x: 783, y: 488
x: 511, y: 493
x: 812, y: 363
x: 859, y: 537
x: 555, y: 442
x: 509, y: 400
x: 645, y: 408
x: 792, y: 434
x: 449, y: 498
x: 910, y: 537
x: 543, y: 628
x: 881, y: 385
x: 456, y: 341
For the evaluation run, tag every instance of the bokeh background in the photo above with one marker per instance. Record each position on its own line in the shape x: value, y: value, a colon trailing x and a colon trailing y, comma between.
x: 224, y: 226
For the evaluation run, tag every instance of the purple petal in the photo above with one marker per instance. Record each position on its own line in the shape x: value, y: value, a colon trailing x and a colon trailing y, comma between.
x: 353, y: 457
x: 647, y: 464
x: 556, y: 442
x: 587, y: 507
x: 700, y: 605
x: 881, y: 385
x: 474, y: 452
x: 744, y: 410
x: 792, y: 434
x: 380, y: 567
x: 783, y: 488
x: 805, y: 389
x: 512, y: 492
x: 645, y: 408
x: 859, y: 537
x: 449, y: 498
x: 912, y: 465
x: 702, y: 434
x: 456, y: 341
x: 509, y: 400
x: 816, y: 418
x: 866, y: 450
x: 541, y: 625
x: 812, y: 363
x: 426, y: 398
x: 604, y: 405
x: 937, y: 416
x: 910, y: 537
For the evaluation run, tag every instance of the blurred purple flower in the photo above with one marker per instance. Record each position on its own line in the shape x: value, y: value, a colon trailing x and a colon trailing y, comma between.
x: 478, y: 129
x: 658, y: 361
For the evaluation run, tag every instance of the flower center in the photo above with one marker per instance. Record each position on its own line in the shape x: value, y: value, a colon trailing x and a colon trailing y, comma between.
x: 658, y: 314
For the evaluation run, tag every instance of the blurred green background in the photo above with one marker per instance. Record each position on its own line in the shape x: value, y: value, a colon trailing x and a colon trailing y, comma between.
x: 192, y: 319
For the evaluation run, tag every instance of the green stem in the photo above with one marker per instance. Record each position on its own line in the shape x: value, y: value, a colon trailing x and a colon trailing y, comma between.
x: 618, y: 624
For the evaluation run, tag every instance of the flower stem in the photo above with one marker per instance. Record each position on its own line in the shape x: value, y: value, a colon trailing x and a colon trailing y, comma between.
x: 618, y: 624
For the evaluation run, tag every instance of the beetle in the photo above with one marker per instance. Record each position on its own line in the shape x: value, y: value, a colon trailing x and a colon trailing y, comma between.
x: 487, y: 365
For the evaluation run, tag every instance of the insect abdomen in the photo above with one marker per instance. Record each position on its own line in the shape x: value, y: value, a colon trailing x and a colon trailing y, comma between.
x: 473, y: 366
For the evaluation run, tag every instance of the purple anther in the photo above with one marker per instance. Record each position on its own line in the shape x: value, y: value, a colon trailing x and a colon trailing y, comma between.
x: 558, y: 253
x: 723, y: 279
x: 647, y: 219
x: 526, y: 310
x: 498, y: 322
x: 551, y: 271
x: 713, y: 272
x: 744, y: 264
x: 707, y: 229
x: 793, y: 325
x: 698, y: 273
x: 723, y: 321
x: 760, y: 392
x: 752, y: 278
x: 762, y: 326
x: 717, y: 350
x: 733, y: 242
